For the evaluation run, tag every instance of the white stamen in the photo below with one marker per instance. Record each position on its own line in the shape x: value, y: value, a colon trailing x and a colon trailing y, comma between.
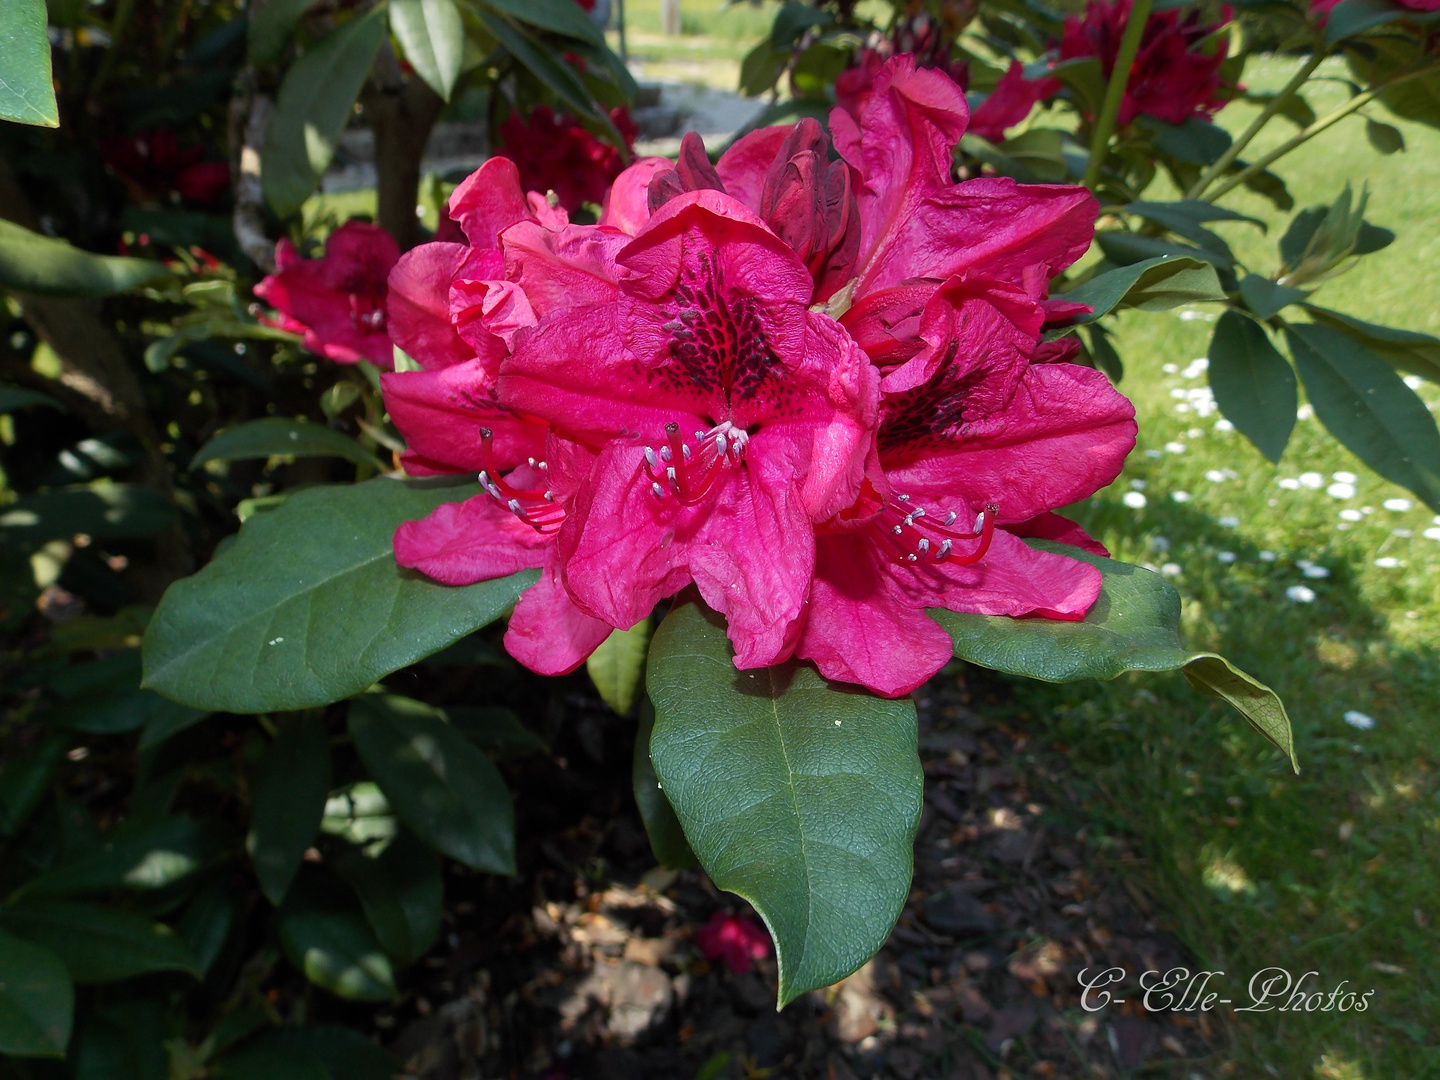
x: 516, y: 508
x: 903, y: 498
x: 657, y: 490
x: 924, y: 545
x: 898, y: 530
x: 685, y: 450
x: 665, y: 455
x: 721, y: 445
x: 531, y: 461
x: 944, y: 550
x: 950, y: 518
x: 670, y: 474
x: 912, y: 557
x: 918, y: 512
x: 909, y: 520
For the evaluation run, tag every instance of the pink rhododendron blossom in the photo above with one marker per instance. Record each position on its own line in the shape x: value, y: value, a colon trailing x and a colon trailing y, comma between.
x: 338, y: 300
x: 815, y: 389
x: 555, y: 153
x: 735, y: 939
x: 1176, y: 74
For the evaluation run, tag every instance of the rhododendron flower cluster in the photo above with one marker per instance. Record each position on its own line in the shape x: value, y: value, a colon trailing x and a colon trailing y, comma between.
x: 736, y: 940
x: 555, y: 153
x: 152, y: 164
x: 1176, y: 74
x: 338, y: 300
x: 816, y: 390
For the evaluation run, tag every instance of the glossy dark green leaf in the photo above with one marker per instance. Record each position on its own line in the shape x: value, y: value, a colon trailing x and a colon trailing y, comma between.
x: 312, y: 108
x: 1253, y: 384
x: 1134, y: 625
x: 1085, y: 79
x: 761, y: 68
x: 1195, y: 141
x: 209, y: 919
x: 793, y: 19
x: 18, y: 590
x: 667, y: 838
x: 439, y: 783
x: 103, y: 510
x: 801, y: 795
x: 30, y: 262
x: 278, y: 436
x: 1188, y: 217
x: 345, y: 1052
x: 17, y: 397
x: 1154, y: 284
x: 617, y: 666
x: 558, y: 16
x: 1368, y: 407
x: 496, y: 730
x: 1264, y: 298
x: 1106, y: 358
x: 110, y: 701
x: 287, y: 801
x: 433, y: 37
x: 401, y: 893
x: 97, y: 943
x: 1123, y: 249
x: 336, y: 950
x: 1408, y: 350
x: 27, y: 95
x: 308, y: 606
x: 24, y: 779
x: 37, y: 1000
x: 167, y: 723
x: 1351, y: 17
x: 539, y: 60
x: 138, y: 855
x: 270, y: 26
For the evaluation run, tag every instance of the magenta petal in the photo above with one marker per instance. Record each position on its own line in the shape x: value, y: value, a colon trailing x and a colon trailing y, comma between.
x: 418, y: 305
x: 1064, y: 435
x: 1062, y: 530
x: 627, y: 206
x: 744, y: 166
x: 440, y: 413
x: 488, y: 201
x: 461, y: 543
x: 861, y: 627
x: 559, y: 269
x: 547, y: 632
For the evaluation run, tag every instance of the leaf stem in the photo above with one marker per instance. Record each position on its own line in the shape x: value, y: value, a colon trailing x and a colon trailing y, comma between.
x: 1272, y: 107
x: 1115, y: 89
x: 1359, y: 101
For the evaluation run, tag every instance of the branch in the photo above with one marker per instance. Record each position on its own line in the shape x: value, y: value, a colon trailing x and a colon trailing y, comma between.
x: 1115, y: 90
x: 402, y: 113
x: 250, y: 113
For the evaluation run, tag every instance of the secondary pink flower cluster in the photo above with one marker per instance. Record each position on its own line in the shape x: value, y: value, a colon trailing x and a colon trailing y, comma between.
x: 814, y: 389
x: 555, y: 153
x: 1175, y: 76
x: 737, y: 940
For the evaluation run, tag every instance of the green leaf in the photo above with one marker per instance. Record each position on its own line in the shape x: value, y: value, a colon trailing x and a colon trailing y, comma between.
x: 1253, y: 385
x: 667, y: 838
x: 288, y: 799
x: 99, y: 944
x: 1085, y: 78
x: 1134, y: 625
x: 106, y: 699
x: 278, y: 436
x: 1351, y: 17
x: 401, y: 893
x: 312, y: 108
x: 1155, y: 284
x: 438, y: 782
x: 558, y: 16
x: 17, y: 397
x: 1264, y: 298
x: 618, y: 664
x: 24, y: 779
x: 142, y: 855
x: 1123, y: 249
x: 496, y: 730
x: 1216, y: 677
x: 1104, y: 353
x: 1385, y: 138
x: 1368, y: 407
x: 208, y: 921
x: 37, y: 1000
x: 802, y: 796
x: 1405, y: 349
x: 792, y: 20
x: 103, y: 510
x: 345, y: 1052
x: 336, y: 950
x: 558, y: 76
x: 433, y: 37
x: 308, y: 607
x: 165, y: 723
x: 361, y: 814
x: 270, y: 26
x: 761, y: 68
x: 1187, y: 218
x: 27, y: 94
x: 30, y: 262
x: 270, y: 1062
x: 1196, y: 141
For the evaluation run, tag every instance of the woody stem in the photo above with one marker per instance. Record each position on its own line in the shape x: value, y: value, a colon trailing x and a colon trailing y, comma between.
x: 1115, y: 90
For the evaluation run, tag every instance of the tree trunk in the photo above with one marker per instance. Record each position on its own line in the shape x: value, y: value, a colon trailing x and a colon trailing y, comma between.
x: 670, y: 17
x: 402, y: 115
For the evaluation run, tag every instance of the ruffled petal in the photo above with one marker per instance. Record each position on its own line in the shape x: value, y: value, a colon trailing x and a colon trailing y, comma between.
x: 461, y: 543
x: 418, y: 305
x: 547, y: 632
x: 627, y: 202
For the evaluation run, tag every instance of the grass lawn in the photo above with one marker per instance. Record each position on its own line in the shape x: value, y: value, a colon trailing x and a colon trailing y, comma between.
x: 1336, y: 870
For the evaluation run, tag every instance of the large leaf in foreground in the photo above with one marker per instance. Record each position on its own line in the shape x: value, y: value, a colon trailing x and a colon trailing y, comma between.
x: 278, y: 435
x: 1252, y: 383
x: 27, y: 94
x: 33, y: 262
x: 1134, y: 625
x: 802, y: 796
x: 308, y: 606
x: 1155, y: 284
